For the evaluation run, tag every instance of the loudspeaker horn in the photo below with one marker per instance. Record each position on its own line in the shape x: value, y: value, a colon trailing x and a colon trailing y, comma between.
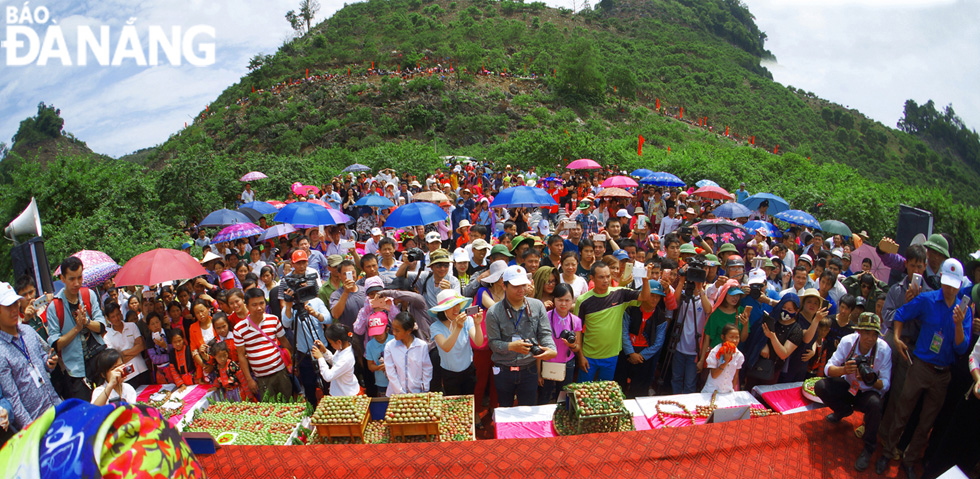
x: 28, y: 222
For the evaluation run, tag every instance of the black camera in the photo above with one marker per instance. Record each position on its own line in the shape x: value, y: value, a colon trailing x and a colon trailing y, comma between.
x: 695, y: 272
x: 414, y: 254
x: 755, y: 291
x: 567, y: 335
x: 865, y: 371
x: 535, y: 347
x: 303, y: 288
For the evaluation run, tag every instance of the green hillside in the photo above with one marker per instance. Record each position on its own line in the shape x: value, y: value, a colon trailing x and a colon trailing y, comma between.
x: 582, y: 85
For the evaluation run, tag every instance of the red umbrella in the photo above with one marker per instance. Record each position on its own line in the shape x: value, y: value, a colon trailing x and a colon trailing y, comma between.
x: 713, y: 192
x: 158, y: 266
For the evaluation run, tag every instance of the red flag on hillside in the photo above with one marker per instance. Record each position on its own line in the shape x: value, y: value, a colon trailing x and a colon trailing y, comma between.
x: 726, y: 130
x: 614, y: 88
x: 348, y: 71
x: 372, y: 65
x: 307, y: 73
x: 639, y: 149
x: 253, y: 88
x: 752, y: 141
x: 682, y: 113
x: 776, y: 151
x: 658, y: 103
x: 668, y: 149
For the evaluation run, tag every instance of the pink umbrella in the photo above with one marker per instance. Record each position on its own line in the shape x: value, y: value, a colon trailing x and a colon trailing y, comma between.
x: 584, y: 164
x: 318, y: 202
x: 158, y: 266
x: 303, y: 190
x: 619, y: 182
x: 878, y: 269
x: 713, y: 192
x: 277, y: 204
x: 97, y: 267
x: 252, y: 176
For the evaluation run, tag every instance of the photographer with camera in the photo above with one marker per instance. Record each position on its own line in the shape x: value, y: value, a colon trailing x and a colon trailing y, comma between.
x: 858, y: 375
x: 305, y: 315
x: 519, y: 333
x: 299, y: 274
x: 429, y: 283
x: 689, y: 321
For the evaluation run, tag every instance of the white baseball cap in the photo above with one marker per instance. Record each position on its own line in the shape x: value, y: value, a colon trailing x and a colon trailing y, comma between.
x: 461, y: 256
x: 517, y: 276
x: 807, y: 258
x: 376, y: 231
x: 757, y: 276
x: 544, y: 228
x: 433, y: 237
x: 951, y: 273
x: 622, y: 213
x: 7, y: 294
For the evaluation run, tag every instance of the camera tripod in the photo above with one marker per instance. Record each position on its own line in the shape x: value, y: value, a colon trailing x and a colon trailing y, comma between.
x: 303, y: 320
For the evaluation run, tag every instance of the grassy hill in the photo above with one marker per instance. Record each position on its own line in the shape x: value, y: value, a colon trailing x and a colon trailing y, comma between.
x: 577, y: 85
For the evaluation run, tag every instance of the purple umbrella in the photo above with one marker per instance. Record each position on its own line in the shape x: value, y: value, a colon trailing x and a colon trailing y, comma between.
x: 236, y: 231
x: 97, y: 267
x: 276, y: 231
x: 252, y: 176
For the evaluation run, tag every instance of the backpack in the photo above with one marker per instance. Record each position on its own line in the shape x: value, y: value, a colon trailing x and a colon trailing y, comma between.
x: 59, y: 305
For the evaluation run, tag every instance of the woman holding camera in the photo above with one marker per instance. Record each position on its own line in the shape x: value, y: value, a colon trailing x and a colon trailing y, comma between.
x: 109, y: 373
x: 566, y: 330
x: 452, y: 334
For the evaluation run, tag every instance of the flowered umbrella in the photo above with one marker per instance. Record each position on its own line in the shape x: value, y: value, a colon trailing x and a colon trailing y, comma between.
x: 797, y: 217
x: 776, y: 204
x: 158, y: 266
x: 620, y: 182
x: 767, y: 228
x: 276, y: 231
x: 835, y: 227
x: 614, y: 193
x: 661, y: 178
x: 252, y: 176
x: 97, y: 267
x: 732, y: 210
x: 584, y: 164
x: 237, y: 231
x: 722, y: 230
x: 713, y: 192
x: 702, y: 183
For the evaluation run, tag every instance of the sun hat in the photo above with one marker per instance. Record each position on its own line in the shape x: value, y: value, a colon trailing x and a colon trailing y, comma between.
x: 448, y: 298
x: 810, y: 292
x: 496, y: 271
x: 951, y: 273
x: 463, y: 224
x: 516, y: 276
x: 299, y: 255
x: 727, y: 248
x: 210, y: 256
x: 688, y: 248
x: 7, y: 295
x: 334, y: 260
x: 868, y: 322
x: 440, y: 255
x: 374, y: 283
x: 710, y: 259
x: 937, y: 243
x: 514, y: 243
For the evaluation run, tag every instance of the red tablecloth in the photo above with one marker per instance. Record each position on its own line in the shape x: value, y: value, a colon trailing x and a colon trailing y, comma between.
x: 539, y: 429
x: 189, y: 400
x: 785, y: 399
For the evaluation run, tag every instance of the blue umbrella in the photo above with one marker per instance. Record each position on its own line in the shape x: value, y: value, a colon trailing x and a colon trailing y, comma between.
x: 732, y: 210
x: 767, y: 228
x: 640, y: 173
x: 522, y: 197
x: 224, y: 217
x: 374, y: 200
x: 797, y: 217
x: 704, y: 183
x: 776, y: 204
x: 356, y: 167
x: 305, y: 213
x: 261, y: 207
x: 661, y: 178
x: 415, y: 214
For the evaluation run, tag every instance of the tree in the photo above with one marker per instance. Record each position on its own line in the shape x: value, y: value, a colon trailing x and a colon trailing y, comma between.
x: 294, y: 21
x: 578, y: 76
x: 46, y: 124
x: 303, y: 18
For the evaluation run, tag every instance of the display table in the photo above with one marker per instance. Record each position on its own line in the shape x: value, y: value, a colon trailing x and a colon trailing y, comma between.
x: 786, y: 398
x: 648, y: 405
x: 194, y: 398
x: 525, y: 422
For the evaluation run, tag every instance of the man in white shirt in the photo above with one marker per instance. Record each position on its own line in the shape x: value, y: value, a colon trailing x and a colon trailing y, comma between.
x: 371, y: 245
x: 849, y: 386
x: 126, y: 338
x: 248, y: 195
x: 800, y: 279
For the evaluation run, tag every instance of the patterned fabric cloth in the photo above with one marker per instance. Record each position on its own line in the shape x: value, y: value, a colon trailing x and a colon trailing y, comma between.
x: 77, y: 439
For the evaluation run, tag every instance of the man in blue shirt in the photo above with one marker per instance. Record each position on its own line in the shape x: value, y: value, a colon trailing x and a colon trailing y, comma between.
x: 76, y: 331
x: 942, y: 336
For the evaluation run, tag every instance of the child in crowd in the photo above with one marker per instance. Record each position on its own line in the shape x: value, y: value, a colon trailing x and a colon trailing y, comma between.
x: 181, y: 370
x: 337, y: 368
x: 724, y: 361
x: 406, y: 359
x: 158, y: 349
x: 226, y: 376
x: 375, y: 351
x: 822, y: 348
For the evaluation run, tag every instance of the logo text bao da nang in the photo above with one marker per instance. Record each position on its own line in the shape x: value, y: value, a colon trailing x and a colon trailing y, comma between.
x: 34, y: 38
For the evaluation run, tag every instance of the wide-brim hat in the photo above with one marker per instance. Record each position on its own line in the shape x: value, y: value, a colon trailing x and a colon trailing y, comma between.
x: 448, y: 298
x: 440, y: 255
x: 688, y: 248
x: 810, y: 293
x: 937, y: 243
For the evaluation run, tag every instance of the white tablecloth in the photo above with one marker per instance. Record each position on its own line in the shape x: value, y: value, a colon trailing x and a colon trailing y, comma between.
x: 738, y: 398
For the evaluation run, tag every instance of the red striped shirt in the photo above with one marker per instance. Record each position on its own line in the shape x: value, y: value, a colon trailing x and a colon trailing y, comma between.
x: 263, y: 357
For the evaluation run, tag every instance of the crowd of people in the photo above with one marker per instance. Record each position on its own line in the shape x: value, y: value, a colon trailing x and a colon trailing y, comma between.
x: 512, y: 304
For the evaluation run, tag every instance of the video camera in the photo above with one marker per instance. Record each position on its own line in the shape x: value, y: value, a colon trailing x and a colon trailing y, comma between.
x: 696, y: 271
x: 303, y: 291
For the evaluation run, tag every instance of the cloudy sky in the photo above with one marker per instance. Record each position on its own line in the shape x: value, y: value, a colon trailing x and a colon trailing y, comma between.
x: 868, y: 54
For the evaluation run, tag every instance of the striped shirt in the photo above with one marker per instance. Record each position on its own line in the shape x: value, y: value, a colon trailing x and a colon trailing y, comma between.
x: 263, y: 357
